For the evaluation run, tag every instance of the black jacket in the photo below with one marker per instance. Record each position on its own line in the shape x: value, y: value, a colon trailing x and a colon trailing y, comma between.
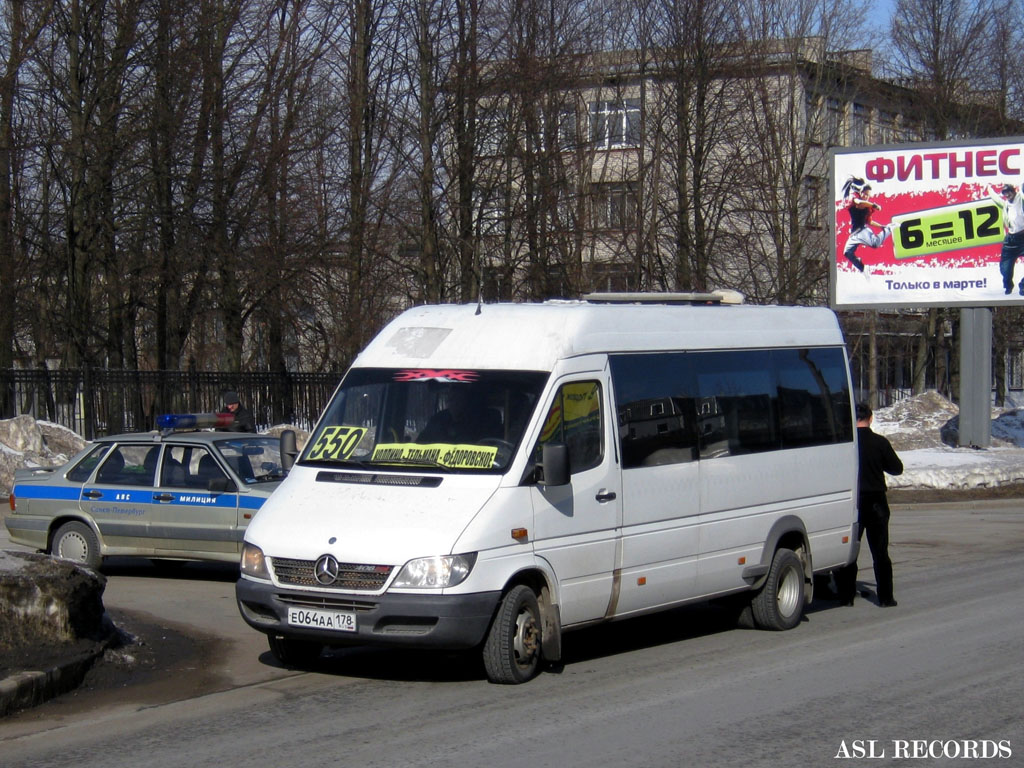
x: 876, y: 458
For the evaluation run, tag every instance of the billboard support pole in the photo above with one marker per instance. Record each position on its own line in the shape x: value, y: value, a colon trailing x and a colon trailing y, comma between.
x: 975, y: 377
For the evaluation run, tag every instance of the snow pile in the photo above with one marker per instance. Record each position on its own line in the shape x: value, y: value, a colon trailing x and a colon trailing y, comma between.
x: 25, y: 442
x: 924, y: 431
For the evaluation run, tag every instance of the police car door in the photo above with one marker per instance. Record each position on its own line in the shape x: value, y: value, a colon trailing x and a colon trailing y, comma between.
x: 120, y: 497
x: 192, y: 514
x: 576, y: 526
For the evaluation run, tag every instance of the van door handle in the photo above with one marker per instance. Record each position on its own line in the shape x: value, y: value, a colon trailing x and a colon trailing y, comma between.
x: 604, y: 496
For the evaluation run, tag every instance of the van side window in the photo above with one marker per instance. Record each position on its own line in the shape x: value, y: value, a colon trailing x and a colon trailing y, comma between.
x: 575, y: 420
x: 655, y: 408
x: 738, y: 401
x: 814, y: 399
x: 672, y: 406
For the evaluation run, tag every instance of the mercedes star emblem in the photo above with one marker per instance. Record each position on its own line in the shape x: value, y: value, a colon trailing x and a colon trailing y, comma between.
x: 326, y: 570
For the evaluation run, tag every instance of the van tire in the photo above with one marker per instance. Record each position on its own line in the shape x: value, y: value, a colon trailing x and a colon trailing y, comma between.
x: 512, y: 650
x: 75, y: 541
x: 780, y: 603
x: 296, y: 654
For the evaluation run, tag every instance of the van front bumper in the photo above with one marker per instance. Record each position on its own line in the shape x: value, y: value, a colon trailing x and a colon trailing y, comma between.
x: 443, y: 622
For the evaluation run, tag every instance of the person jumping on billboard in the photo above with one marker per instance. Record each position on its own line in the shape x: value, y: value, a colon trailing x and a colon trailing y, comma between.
x: 1013, y: 244
x: 857, y: 198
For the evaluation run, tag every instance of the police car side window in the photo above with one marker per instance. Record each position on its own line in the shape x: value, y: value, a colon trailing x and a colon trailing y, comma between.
x: 206, y: 468
x: 81, y: 472
x: 172, y: 469
x: 130, y: 465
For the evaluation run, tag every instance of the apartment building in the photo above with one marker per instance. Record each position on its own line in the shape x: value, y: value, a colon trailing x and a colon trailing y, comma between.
x: 673, y: 171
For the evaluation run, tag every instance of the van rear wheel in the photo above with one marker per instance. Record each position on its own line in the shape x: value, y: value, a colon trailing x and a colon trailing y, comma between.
x: 780, y: 603
x: 512, y: 650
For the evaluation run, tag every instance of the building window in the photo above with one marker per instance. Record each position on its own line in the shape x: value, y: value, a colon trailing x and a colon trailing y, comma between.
x: 833, y: 121
x: 557, y: 279
x: 490, y: 211
x: 610, y: 277
x: 567, y: 138
x: 812, y: 201
x: 613, y: 206
x: 492, y: 131
x: 812, y: 114
x: 495, y: 284
x: 615, y: 124
x: 886, y: 127
x: 860, y: 120
x: 912, y: 130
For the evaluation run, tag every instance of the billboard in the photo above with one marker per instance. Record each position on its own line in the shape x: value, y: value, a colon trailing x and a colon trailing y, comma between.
x: 920, y: 225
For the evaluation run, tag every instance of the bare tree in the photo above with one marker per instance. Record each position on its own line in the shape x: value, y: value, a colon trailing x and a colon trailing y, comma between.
x: 534, y: 121
x: 791, y: 70
x: 684, y: 51
x: 19, y: 29
x: 943, y: 49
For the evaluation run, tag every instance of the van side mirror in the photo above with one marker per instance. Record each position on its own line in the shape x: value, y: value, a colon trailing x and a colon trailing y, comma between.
x: 554, y: 464
x: 289, y: 449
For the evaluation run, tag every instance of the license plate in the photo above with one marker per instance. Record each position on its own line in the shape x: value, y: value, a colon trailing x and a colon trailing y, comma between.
x: 319, y: 619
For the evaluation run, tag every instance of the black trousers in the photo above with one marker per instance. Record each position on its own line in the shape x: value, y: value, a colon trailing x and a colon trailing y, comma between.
x: 873, y: 520
x: 1013, y: 248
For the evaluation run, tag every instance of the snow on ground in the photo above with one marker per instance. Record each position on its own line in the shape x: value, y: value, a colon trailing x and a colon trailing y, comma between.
x: 923, y: 430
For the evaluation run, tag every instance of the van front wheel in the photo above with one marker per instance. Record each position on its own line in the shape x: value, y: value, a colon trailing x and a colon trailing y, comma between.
x: 293, y: 653
x: 780, y: 603
x: 512, y: 650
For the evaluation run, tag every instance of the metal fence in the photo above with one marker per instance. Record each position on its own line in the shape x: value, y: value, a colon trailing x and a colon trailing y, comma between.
x: 95, y: 401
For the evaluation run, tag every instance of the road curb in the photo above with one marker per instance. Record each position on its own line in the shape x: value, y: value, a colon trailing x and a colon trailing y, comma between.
x: 24, y: 690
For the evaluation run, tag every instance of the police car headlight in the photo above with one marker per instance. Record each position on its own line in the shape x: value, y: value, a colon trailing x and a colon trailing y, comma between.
x: 435, y: 572
x: 253, y: 563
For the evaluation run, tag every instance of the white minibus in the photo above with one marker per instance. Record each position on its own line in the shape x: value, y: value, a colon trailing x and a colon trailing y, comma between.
x: 491, y: 476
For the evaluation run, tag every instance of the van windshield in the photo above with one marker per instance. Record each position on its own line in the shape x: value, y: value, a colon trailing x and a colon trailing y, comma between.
x: 452, y: 420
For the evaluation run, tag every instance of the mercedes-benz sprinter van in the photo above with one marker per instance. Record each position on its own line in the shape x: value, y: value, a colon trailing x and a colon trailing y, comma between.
x: 491, y: 476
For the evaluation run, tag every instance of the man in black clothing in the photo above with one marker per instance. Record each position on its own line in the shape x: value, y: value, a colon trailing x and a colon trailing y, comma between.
x: 877, y: 457
x: 243, y: 419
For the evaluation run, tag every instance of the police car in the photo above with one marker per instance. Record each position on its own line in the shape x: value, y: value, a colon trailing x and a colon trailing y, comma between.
x: 167, y: 494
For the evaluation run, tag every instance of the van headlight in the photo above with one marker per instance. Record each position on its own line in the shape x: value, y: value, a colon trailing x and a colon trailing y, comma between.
x: 253, y: 562
x: 435, y: 572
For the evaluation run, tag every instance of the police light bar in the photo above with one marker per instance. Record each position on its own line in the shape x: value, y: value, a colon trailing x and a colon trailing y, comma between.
x: 194, y: 420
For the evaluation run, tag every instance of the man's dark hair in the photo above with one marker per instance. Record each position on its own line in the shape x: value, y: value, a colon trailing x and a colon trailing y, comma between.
x: 1008, y: 189
x: 863, y: 411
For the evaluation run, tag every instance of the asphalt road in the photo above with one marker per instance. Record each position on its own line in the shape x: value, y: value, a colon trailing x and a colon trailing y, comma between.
x: 941, y: 674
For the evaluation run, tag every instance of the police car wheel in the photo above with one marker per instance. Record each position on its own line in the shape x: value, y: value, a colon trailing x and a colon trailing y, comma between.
x: 76, y: 542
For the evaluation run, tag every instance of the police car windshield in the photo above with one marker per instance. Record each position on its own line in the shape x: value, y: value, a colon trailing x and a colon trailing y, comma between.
x: 254, y: 459
x: 426, y: 419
